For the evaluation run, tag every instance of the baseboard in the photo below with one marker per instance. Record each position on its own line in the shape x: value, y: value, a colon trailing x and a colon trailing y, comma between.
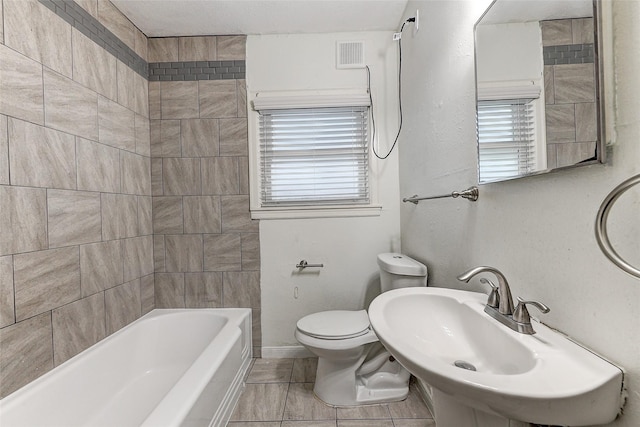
x: 286, y: 352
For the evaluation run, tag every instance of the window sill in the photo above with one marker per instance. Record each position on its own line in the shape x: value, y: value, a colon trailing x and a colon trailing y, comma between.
x: 316, y: 212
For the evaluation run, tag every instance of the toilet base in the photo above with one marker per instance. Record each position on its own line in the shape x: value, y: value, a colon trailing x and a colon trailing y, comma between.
x: 339, y: 383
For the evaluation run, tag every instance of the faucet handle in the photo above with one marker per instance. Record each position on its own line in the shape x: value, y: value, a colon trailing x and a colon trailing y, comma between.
x: 494, y: 298
x: 521, y: 314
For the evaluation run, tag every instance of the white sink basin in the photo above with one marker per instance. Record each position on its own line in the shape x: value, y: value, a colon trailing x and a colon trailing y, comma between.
x: 543, y: 378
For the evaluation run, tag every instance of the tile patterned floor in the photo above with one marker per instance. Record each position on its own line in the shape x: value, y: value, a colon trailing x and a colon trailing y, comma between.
x: 279, y: 393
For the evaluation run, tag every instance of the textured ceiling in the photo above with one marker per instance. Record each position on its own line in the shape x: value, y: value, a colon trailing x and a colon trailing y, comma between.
x: 163, y: 18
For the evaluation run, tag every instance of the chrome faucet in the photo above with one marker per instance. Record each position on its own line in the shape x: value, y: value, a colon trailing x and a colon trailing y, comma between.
x: 500, y: 306
x: 505, y: 300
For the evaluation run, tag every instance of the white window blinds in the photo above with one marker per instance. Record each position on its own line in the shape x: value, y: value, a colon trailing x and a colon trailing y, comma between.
x: 506, y: 138
x: 314, y: 156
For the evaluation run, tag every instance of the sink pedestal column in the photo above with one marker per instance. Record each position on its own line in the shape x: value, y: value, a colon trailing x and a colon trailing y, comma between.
x: 449, y: 412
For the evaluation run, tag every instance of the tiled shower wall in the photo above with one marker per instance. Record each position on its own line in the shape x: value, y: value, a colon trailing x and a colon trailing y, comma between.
x: 76, y: 244
x: 206, y: 247
x: 570, y: 95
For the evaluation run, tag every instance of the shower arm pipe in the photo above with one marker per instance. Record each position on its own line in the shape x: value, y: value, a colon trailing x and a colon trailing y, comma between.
x: 470, y: 194
x: 602, y: 236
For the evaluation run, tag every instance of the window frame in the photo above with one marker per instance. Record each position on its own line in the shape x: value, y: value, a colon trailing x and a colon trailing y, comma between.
x: 517, y: 90
x: 306, y: 99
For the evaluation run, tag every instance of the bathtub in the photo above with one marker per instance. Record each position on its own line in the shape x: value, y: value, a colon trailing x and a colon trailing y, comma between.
x: 168, y: 368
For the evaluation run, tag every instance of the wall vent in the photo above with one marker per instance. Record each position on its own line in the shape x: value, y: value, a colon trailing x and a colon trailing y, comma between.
x: 350, y: 55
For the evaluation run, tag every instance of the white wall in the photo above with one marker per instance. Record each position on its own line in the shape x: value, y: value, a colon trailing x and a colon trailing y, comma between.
x: 347, y: 246
x: 521, y: 41
x: 538, y: 230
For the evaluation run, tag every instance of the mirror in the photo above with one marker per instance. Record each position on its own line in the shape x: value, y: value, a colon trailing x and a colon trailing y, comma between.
x: 537, y: 88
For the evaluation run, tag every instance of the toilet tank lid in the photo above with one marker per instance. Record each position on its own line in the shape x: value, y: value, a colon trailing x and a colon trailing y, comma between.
x: 401, y: 264
x: 335, y: 323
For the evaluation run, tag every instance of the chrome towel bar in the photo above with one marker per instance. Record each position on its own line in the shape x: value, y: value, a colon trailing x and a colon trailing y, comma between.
x: 601, y: 226
x: 304, y: 264
x: 470, y: 194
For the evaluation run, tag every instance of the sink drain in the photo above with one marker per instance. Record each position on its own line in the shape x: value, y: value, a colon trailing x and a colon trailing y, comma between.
x: 464, y: 365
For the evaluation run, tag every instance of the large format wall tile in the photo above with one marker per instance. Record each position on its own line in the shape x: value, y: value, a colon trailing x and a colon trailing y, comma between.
x: 138, y: 257
x: 7, y: 316
x: 154, y: 100
x: 119, y: 216
x: 169, y: 290
x: 183, y: 252
x: 21, y: 86
x: 116, y: 22
x: 126, y: 83
x: 197, y: 48
x: 41, y: 157
x: 69, y: 106
x: 27, y: 352
x: 250, y: 251
x: 203, y: 290
x: 147, y: 294
x: 231, y: 47
x: 165, y: 138
x: 236, y: 216
x: 561, y: 123
x: 74, y: 217
x: 4, y: 149
x: 98, y: 166
x: 179, y: 100
x: 136, y: 173
x: 143, y: 135
x: 201, y: 214
x: 220, y: 175
x: 145, y: 215
x: 167, y: 215
x: 233, y: 137
x: 199, y: 137
x: 77, y: 326
x: 23, y: 223
x: 93, y: 66
x: 222, y: 252
x: 163, y: 49
x: 45, y: 280
x: 122, y: 305
x: 35, y: 31
x: 101, y: 266
x: 218, y: 98
x: 574, y: 83
x: 116, y: 125
x: 181, y: 176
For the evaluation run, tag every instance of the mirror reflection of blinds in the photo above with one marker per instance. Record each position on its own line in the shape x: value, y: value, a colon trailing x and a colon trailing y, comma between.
x: 314, y: 156
x: 506, y: 138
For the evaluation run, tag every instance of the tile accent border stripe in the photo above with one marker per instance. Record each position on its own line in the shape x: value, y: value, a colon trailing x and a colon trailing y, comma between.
x: 196, y: 70
x: 568, y: 54
x: 81, y: 20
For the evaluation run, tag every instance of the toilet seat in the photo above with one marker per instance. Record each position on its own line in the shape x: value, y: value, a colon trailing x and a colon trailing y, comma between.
x: 335, y: 324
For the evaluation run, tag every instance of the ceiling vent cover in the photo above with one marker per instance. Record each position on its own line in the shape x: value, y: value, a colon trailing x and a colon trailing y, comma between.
x: 350, y: 55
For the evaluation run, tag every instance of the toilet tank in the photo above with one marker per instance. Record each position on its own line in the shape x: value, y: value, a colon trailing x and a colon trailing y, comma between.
x: 400, y: 271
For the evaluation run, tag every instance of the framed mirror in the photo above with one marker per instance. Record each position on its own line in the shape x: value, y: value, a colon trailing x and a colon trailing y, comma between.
x: 538, y: 95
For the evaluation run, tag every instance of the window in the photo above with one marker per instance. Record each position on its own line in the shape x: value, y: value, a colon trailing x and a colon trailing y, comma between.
x: 309, y: 155
x: 314, y: 156
x: 506, y: 138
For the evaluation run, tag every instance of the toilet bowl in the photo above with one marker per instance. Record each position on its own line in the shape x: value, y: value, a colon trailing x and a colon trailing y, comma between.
x: 353, y: 366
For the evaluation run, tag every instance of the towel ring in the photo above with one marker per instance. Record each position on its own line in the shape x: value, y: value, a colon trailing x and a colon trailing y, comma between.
x: 601, y: 226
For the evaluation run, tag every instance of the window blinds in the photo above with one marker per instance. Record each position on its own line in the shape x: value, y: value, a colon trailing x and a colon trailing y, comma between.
x: 506, y: 138
x: 314, y: 156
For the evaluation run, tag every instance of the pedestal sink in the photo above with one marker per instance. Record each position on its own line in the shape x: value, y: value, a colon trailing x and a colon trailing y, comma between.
x: 443, y: 337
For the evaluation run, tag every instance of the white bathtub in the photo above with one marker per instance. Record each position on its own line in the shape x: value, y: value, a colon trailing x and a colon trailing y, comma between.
x: 168, y: 368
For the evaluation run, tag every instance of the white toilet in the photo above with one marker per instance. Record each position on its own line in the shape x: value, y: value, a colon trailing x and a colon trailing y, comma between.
x: 353, y: 367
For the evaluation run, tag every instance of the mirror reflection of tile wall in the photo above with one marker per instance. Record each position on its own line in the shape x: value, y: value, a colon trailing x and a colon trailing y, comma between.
x: 570, y: 90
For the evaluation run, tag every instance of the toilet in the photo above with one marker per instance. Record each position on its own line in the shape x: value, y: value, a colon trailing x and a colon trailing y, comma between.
x: 354, y: 368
